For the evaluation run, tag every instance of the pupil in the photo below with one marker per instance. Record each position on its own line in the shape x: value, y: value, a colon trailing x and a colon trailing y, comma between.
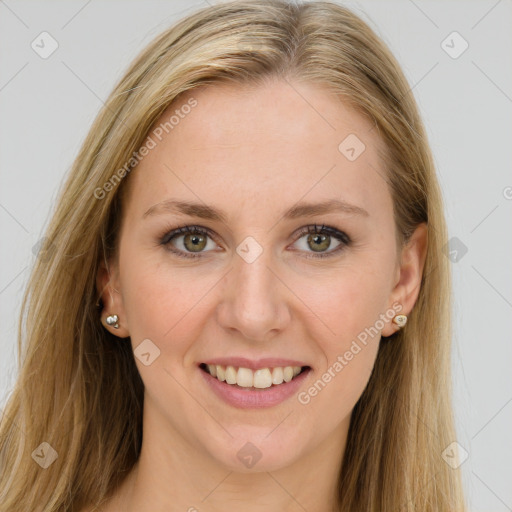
x: 319, y: 240
x: 195, y: 241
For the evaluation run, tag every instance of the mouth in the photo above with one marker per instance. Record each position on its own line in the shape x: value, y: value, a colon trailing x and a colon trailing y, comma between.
x: 253, y: 380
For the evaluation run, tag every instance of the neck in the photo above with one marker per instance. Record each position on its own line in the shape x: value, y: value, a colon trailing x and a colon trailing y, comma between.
x: 172, y: 474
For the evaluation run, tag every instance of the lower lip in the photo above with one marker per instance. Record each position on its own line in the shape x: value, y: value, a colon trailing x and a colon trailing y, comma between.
x: 254, y: 399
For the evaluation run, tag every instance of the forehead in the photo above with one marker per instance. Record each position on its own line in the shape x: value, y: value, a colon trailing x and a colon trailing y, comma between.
x: 261, y: 147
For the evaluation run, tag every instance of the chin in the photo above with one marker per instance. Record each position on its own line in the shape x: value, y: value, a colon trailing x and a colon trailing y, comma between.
x: 258, y: 450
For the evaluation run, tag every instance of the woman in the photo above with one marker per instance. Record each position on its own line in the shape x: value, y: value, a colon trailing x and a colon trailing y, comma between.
x: 245, y: 265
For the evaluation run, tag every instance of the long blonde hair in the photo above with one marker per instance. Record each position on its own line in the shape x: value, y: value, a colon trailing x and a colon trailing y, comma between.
x: 78, y: 388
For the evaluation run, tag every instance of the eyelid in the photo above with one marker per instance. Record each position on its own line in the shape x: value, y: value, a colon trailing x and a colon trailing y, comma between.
x: 344, y: 240
x: 170, y: 233
x: 331, y: 231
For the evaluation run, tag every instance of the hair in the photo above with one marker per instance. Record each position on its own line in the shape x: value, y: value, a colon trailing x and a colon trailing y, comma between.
x: 78, y: 388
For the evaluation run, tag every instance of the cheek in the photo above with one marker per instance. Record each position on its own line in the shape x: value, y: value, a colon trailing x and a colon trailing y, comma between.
x: 346, y: 302
x: 346, y: 327
x: 350, y: 307
x: 162, y: 303
x: 168, y: 303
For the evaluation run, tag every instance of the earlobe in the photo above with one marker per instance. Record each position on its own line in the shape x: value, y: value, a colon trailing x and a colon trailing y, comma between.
x: 407, y: 288
x: 112, y: 312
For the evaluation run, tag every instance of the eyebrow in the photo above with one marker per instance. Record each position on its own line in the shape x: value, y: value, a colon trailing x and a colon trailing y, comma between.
x: 209, y: 212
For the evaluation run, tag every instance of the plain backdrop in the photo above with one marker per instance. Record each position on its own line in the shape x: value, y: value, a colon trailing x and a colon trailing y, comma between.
x: 465, y: 95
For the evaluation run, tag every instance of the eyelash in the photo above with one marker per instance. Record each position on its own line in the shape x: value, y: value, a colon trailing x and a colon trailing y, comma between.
x: 345, y: 240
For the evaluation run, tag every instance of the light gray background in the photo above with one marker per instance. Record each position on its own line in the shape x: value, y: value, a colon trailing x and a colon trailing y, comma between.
x: 47, y: 106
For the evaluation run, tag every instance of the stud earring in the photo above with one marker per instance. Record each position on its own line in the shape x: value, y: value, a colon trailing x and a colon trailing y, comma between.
x: 400, y: 320
x: 112, y: 320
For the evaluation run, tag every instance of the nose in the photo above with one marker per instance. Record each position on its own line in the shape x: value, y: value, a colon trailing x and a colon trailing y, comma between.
x: 254, y: 300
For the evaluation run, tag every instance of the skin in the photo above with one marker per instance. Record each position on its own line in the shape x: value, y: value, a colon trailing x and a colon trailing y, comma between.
x: 254, y: 152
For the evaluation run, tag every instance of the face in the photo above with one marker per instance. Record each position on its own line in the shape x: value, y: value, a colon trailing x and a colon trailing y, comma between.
x: 257, y: 279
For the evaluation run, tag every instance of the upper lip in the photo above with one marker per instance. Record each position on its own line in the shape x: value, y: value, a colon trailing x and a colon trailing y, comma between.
x: 254, y: 364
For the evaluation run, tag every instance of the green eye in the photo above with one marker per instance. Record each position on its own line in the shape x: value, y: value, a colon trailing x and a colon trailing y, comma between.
x: 320, y: 238
x: 192, y: 241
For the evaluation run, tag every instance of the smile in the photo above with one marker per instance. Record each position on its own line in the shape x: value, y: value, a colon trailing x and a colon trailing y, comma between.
x: 247, y: 378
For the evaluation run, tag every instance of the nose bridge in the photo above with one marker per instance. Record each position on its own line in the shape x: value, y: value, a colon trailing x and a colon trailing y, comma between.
x: 253, y: 301
x: 253, y: 275
x: 255, y: 287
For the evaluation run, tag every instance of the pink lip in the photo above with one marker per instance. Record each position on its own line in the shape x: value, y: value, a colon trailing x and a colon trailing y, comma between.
x: 255, y: 399
x: 267, y: 362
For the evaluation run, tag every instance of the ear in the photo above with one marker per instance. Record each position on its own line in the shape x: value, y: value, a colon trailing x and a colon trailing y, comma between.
x: 108, y: 288
x: 407, y: 286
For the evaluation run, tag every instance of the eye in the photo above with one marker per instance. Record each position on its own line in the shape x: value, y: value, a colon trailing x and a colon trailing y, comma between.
x: 188, y: 241
x: 194, y: 241
x: 320, y: 238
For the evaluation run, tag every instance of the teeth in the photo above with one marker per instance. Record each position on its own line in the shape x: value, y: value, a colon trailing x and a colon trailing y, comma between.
x: 221, y: 373
x: 230, y: 375
x: 247, y: 378
x: 244, y: 377
x: 277, y: 375
x: 288, y: 373
x: 262, y: 378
